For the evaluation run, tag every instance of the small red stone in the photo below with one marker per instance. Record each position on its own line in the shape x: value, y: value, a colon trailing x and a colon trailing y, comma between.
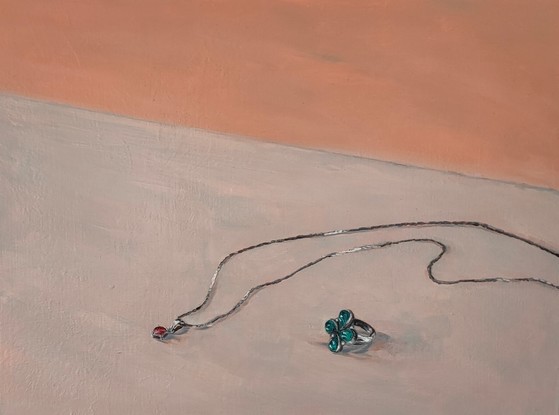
x: 159, y: 332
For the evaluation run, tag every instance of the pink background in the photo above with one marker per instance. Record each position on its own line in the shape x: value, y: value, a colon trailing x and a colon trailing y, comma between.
x: 111, y: 226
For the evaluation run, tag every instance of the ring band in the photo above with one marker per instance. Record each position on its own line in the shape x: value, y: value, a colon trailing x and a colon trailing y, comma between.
x: 346, y: 330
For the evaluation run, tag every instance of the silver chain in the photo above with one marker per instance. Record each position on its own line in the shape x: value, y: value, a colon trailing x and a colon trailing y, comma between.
x: 180, y: 323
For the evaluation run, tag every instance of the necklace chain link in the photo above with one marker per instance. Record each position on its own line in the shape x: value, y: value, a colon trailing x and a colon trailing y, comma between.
x: 180, y: 323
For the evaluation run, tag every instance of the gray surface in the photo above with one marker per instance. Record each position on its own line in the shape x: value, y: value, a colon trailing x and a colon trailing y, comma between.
x: 110, y: 226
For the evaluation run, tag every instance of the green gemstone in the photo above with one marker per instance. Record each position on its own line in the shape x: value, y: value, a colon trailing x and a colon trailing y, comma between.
x: 334, y: 344
x: 330, y: 326
x: 347, y: 335
x: 344, y: 317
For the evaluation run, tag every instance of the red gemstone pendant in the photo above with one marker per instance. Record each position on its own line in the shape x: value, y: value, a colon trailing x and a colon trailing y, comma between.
x: 159, y: 333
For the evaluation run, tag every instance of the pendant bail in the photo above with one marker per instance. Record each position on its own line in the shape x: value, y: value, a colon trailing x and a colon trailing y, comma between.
x: 178, y: 324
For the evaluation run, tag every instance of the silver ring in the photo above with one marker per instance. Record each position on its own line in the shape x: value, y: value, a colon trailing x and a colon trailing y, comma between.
x: 346, y: 330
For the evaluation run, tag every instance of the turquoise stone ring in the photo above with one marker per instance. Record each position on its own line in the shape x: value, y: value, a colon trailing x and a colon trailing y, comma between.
x: 343, y: 331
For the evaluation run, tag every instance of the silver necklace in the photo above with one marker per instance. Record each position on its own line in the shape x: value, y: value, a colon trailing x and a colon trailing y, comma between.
x: 179, y: 324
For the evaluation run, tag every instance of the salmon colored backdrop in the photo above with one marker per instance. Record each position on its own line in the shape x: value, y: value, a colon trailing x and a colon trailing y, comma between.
x: 462, y: 85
